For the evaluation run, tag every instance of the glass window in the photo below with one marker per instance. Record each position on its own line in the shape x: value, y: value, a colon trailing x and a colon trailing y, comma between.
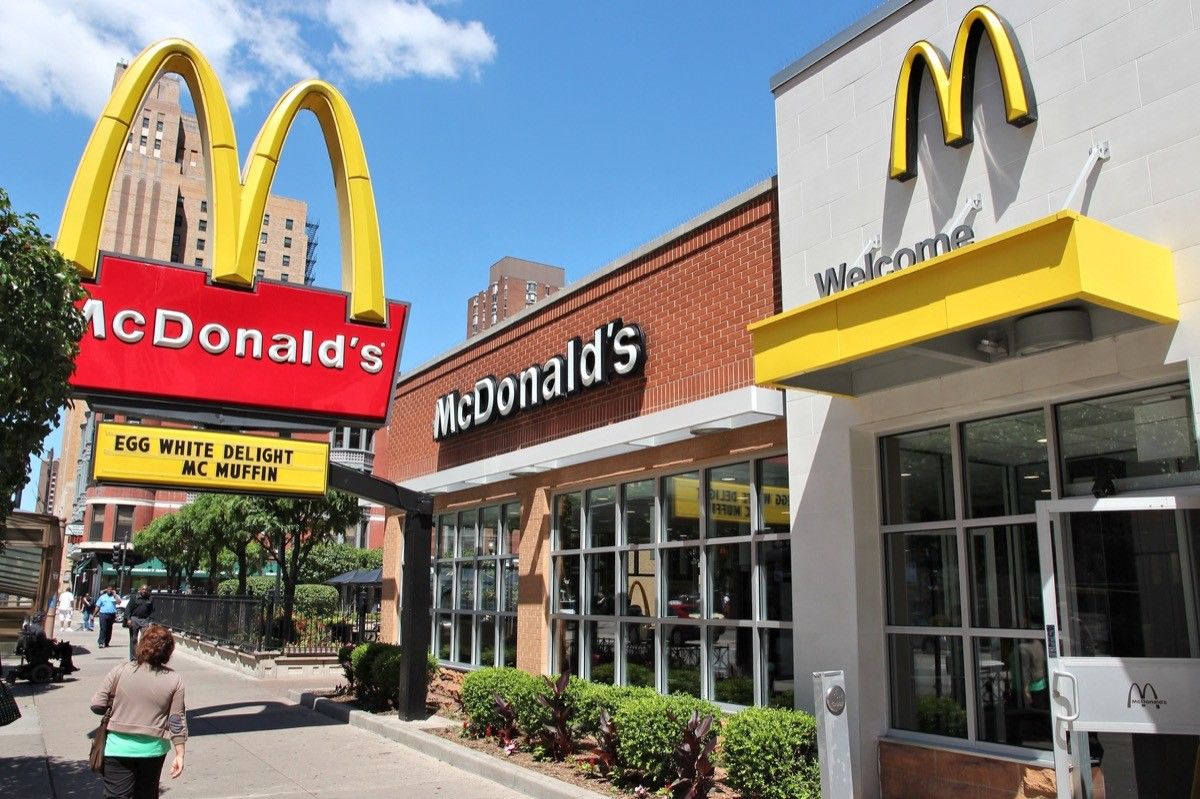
x: 1140, y: 439
x: 464, y: 652
x: 287, y: 242
x: 508, y: 567
x: 681, y: 501
x: 262, y: 238
x: 773, y: 495
x: 641, y: 593
x: 602, y: 516
x: 199, y: 244
x: 1012, y: 692
x: 204, y: 206
x: 602, y: 651
x: 446, y: 537
x: 489, y: 527
x: 262, y: 256
x: 285, y: 277
x: 96, y: 527
x: 781, y: 673
x: 466, y: 587
x: 683, y: 658
x: 775, y: 560
x: 260, y: 273
x: 566, y: 647
x: 729, y: 500
x: 511, y: 541
x: 601, y: 584
x: 487, y: 640
x: 467, y: 542
x: 488, y: 596
x: 639, y: 512
x: 566, y: 576
x: 731, y: 656
x: 266, y: 220
x: 566, y: 517
x: 198, y: 261
x: 922, y: 578
x: 639, y: 654
x: 287, y: 224
x: 917, y: 477
x: 158, y: 125
x: 1007, y: 466
x: 123, y: 528
x: 927, y: 684
x: 443, y: 630
x: 287, y: 260
x: 445, y: 587
x: 729, y: 580
x: 683, y: 582
x: 202, y: 225
x: 509, y: 626
x: 1006, y: 580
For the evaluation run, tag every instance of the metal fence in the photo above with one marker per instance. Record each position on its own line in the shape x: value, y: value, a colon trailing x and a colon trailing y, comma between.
x: 256, y: 624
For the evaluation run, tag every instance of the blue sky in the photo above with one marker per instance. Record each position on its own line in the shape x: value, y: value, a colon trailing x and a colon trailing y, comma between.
x: 566, y: 133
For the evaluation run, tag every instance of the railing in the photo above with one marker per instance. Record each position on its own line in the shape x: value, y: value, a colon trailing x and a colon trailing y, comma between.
x: 255, y: 624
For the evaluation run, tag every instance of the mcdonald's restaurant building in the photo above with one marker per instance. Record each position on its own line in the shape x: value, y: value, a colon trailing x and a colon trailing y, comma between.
x: 956, y: 339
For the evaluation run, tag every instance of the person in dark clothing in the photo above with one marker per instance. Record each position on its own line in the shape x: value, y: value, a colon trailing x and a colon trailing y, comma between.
x: 137, y: 616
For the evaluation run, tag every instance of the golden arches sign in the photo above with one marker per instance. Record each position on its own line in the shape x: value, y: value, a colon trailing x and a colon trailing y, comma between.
x: 955, y: 88
x: 238, y: 199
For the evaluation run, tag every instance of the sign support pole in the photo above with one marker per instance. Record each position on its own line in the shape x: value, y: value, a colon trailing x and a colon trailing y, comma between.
x: 415, y: 593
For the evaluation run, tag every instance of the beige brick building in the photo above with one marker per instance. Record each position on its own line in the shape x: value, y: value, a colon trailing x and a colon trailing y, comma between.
x: 513, y: 285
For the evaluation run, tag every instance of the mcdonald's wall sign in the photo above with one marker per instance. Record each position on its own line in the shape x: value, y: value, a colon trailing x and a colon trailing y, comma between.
x: 174, y: 334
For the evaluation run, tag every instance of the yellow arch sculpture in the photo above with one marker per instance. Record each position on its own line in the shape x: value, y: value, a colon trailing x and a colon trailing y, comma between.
x: 955, y: 89
x: 238, y: 200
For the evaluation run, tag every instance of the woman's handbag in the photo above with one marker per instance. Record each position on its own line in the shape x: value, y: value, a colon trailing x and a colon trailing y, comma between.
x: 9, y: 712
x: 96, y: 758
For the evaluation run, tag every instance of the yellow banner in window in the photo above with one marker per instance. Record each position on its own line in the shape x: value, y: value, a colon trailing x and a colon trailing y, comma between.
x: 728, y: 501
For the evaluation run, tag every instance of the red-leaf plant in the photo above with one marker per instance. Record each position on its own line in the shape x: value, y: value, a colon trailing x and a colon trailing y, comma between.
x: 606, y: 739
x: 556, y: 736
x: 507, y: 732
x: 694, y: 767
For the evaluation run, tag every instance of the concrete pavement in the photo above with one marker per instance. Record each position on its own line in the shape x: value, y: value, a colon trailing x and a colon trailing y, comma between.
x: 247, y: 741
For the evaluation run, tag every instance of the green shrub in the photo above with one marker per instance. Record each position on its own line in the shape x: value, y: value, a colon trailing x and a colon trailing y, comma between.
x: 256, y: 585
x: 647, y: 735
x: 362, y: 661
x: 479, y: 689
x: 385, y: 678
x: 941, y: 715
x: 316, y: 600
x: 344, y: 661
x: 635, y: 674
x: 771, y: 753
x: 590, y: 698
x: 735, y: 690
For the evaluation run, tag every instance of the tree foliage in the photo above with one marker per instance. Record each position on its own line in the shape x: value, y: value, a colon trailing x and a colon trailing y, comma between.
x: 330, y: 558
x: 39, y: 340
x: 171, y: 539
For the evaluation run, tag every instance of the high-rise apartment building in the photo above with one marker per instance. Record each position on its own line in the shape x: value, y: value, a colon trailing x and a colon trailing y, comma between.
x: 513, y: 285
x: 158, y: 210
x: 47, y: 483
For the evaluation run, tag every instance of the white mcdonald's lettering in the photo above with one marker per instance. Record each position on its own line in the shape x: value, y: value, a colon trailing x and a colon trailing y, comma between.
x: 176, y: 330
x: 614, y: 350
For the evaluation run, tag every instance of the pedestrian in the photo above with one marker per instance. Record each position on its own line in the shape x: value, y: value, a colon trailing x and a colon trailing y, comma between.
x: 66, y: 609
x: 106, y: 612
x: 148, y: 718
x: 89, y: 610
x: 137, y: 616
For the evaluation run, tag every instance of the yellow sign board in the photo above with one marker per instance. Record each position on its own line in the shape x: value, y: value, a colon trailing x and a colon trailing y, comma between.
x: 206, y: 460
x: 728, y: 502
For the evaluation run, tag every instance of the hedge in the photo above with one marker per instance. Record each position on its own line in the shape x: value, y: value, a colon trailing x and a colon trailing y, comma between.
x: 311, y: 599
x: 590, y: 698
x: 771, y: 753
x: 520, y: 688
x: 376, y: 673
x: 647, y: 736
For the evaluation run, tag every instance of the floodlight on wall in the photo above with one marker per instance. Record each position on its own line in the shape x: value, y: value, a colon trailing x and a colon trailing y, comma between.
x: 1050, y: 330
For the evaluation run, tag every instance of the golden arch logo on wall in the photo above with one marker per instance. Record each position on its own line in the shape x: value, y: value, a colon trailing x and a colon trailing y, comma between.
x: 165, y: 333
x: 954, y: 88
x: 238, y: 200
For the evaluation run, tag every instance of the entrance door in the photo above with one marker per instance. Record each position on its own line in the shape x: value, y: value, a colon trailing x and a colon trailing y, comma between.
x: 1120, y: 591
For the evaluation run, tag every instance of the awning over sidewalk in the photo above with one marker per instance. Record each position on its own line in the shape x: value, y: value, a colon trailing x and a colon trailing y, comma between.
x: 358, y: 577
x: 1059, y: 280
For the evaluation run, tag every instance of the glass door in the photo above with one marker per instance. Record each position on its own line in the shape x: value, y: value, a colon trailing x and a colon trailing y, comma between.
x: 1123, y: 644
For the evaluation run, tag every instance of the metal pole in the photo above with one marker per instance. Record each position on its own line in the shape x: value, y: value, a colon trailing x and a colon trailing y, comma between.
x: 414, y: 612
x: 833, y: 734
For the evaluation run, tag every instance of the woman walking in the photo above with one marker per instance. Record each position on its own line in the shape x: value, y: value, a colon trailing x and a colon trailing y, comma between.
x: 147, y: 718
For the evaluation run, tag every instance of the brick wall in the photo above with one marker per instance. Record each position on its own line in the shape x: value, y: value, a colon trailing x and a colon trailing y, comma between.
x: 693, y: 297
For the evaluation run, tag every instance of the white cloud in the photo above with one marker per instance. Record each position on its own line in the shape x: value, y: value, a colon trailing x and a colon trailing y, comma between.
x: 383, y: 39
x: 59, y: 53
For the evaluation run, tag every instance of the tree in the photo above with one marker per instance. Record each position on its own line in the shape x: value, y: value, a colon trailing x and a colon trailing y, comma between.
x: 170, y: 539
x: 220, y: 522
x: 39, y: 340
x: 329, y: 559
x: 290, y: 529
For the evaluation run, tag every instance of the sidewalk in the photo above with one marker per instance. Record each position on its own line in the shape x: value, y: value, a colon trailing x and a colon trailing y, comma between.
x: 247, y: 742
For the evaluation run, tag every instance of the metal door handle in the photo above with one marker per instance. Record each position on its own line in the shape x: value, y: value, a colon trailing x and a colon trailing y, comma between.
x: 1074, y: 699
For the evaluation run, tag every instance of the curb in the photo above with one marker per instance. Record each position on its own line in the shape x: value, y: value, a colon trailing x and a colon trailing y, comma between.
x: 508, y: 775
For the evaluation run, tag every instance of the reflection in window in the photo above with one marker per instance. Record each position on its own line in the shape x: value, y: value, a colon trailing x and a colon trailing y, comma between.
x: 508, y: 567
x: 566, y: 520
x: 639, y: 512
x: 510, y: 542
x: 731, y: 655
x: 489, y: 526
x: 773, y: 495
x: 467, y: 541
x: 640, y: 588
x: 487, y: 639
x: 922, y: 578
x: 1007, y: 466
x: 775, y: 559
x: 729, y: 500
x: 465, y: 652
x: 781, y: 673
x: 1012, y: 691
x: 683, y: 659
x: 566, y: 574
x: 1006, y: 580
x: 488, y: 590
x: 639, y: 655
x: 602, y: 516
x: 601, y: 584
x: 1140, y: 439
x: 928, y: 693
x: 729, y: 575
x: 602, y: 648
x: 566, y: 647
x: 683, y: 582
x: 445, y: 587
x: 466, y: 587
x: 509, y: 625
x: 681, y: 501
x: 443, y: 634
x: 917, y: 477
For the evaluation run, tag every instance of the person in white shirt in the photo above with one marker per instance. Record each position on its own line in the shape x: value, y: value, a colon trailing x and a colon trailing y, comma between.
x: 66, y: 609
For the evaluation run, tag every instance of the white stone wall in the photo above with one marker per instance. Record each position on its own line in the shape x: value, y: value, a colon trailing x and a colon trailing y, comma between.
x: 1125, y: 71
